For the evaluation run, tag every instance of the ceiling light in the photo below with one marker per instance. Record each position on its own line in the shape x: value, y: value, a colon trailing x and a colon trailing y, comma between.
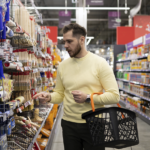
x: 97, y: 52
x: 76, y: 8
x: 102, y: 50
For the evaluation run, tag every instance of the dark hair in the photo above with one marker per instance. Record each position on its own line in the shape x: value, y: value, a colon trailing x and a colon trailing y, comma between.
x: 77, y: 29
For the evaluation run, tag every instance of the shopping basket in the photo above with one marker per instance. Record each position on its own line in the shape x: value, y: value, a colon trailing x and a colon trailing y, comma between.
x: 112, y: 127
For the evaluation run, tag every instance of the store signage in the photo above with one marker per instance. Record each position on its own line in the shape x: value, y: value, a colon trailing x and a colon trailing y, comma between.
x: 147, y: 39
x: 138, y: 42
x: 129, y: 45
x: 64, y: 18
x: 94, y: 2
x: 53, y: 33
x: 113, y: 19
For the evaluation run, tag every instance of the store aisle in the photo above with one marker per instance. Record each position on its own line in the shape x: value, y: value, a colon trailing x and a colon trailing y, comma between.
x: 144, y: 136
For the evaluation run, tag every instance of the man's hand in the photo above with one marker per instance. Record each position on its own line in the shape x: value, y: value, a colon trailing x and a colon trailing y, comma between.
x: 43, y: 97
x: 79, y: 96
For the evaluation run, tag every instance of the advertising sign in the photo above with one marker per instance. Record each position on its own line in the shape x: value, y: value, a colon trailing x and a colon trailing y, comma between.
x: 94, y: 2
x: 112, y: 19
x: 64, y: 18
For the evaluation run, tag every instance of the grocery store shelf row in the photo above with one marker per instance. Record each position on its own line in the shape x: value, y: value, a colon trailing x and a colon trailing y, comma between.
x: 131, y: 59
x: 53, y: 131
x: 133, y: 82
x: 37, y: 133
x: 135, y: 70
x: 140, y: 114
x: 147, y: 99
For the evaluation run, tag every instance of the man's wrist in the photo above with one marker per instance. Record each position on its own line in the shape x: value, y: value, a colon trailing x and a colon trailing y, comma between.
x: 88, y: 99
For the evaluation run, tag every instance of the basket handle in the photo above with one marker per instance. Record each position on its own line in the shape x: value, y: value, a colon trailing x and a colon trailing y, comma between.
x: 92, y: 103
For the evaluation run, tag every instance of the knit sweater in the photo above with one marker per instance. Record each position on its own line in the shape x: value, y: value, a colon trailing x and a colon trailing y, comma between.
x: 88, y: 74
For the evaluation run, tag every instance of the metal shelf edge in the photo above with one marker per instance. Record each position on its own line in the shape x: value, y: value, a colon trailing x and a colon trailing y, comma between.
x: 141, y: 115
x: 50, y: 140
x: 35, y: 137
x: 147, y: 99
x: 133, y: 82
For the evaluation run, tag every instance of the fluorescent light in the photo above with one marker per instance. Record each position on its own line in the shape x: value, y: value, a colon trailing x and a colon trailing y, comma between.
x: 97, y: 52
x: 76, y: 8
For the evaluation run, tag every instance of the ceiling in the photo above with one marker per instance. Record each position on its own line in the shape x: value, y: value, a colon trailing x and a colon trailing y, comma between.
x: 97, y: 28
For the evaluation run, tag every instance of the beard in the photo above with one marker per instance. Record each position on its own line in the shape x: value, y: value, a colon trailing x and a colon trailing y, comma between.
x: 76, y: 52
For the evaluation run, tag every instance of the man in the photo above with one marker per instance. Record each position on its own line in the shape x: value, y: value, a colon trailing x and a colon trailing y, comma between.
x: 77, y: 77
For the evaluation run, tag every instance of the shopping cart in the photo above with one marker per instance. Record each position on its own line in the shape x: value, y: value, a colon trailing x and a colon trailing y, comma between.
x: 112, y: 127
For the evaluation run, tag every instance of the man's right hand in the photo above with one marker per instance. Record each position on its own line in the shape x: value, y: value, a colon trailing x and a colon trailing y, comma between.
x: 43, y: 97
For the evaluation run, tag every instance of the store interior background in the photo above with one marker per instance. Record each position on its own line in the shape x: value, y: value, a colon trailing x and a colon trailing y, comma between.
x: 117, y: 30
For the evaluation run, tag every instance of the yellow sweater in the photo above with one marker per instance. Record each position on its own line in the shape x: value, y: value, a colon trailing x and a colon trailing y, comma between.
x: 88, y: 74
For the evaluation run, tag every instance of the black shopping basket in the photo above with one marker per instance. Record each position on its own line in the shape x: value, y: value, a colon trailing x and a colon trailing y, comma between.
x: 112, y: 127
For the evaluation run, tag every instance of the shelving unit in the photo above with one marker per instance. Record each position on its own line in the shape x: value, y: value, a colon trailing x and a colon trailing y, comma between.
x: 147, y: 99
x: 137, y: 70
x: 140, y: 114
x: 35, y: 137
x: 142, y: 57
x: 132, y: 82
x: 51, y: 138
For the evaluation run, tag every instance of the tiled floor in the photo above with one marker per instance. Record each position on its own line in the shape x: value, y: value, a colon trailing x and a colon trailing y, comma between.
x: 144, y: 136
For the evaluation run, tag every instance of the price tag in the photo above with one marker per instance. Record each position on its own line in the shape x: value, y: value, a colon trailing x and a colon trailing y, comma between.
x: 21, y: 68
x: 1, y: 51
x: 26, y: 104
x: 18, y: 103
x: 26, y: 68
x: 20, y: 110
x: 4, y: 117
x: 11, y: 112
x: 14, y: 105
x: 29, y: 102
x: 5, y: 45
x: 6, y: 58
x: 34, y: 49
x: 12, y: 58
x: 11, y: 49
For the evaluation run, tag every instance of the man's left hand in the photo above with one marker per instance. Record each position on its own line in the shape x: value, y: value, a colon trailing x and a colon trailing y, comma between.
x: 79, y: 96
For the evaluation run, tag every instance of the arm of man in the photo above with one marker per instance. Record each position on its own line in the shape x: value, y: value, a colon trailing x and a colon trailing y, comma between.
x: 57, y: 96
x: 109, y: 84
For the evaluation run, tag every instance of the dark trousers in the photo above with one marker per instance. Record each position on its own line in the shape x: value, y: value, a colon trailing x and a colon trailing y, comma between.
x: 77, y: 137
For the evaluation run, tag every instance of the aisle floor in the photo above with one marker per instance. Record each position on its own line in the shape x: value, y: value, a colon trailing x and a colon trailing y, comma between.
x: 143, y: 129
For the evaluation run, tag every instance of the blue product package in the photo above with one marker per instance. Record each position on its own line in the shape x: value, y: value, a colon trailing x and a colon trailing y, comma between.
x: 7, y: 127
x: 7, y: 12
x: 3, y: 142
x: 12, y: 119
x: 1, y: 70
x: 4, y: 31
x: 1, y: 19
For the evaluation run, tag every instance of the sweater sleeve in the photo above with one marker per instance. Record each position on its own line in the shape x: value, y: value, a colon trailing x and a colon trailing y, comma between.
x: 58, y: 94
x: 109, y: 84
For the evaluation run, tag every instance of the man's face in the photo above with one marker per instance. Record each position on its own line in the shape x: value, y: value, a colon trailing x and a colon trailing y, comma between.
x: 72, y: 44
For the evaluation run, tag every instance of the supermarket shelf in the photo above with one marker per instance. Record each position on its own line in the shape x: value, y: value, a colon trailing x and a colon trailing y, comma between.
x: 43, y: 123
x: 133, y: 82
x: 51, y: 138
x: 147, y: 99
x: 135, y: 70
x: 140, y: 114
x: 131, y: 59
x: 123, y: 60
